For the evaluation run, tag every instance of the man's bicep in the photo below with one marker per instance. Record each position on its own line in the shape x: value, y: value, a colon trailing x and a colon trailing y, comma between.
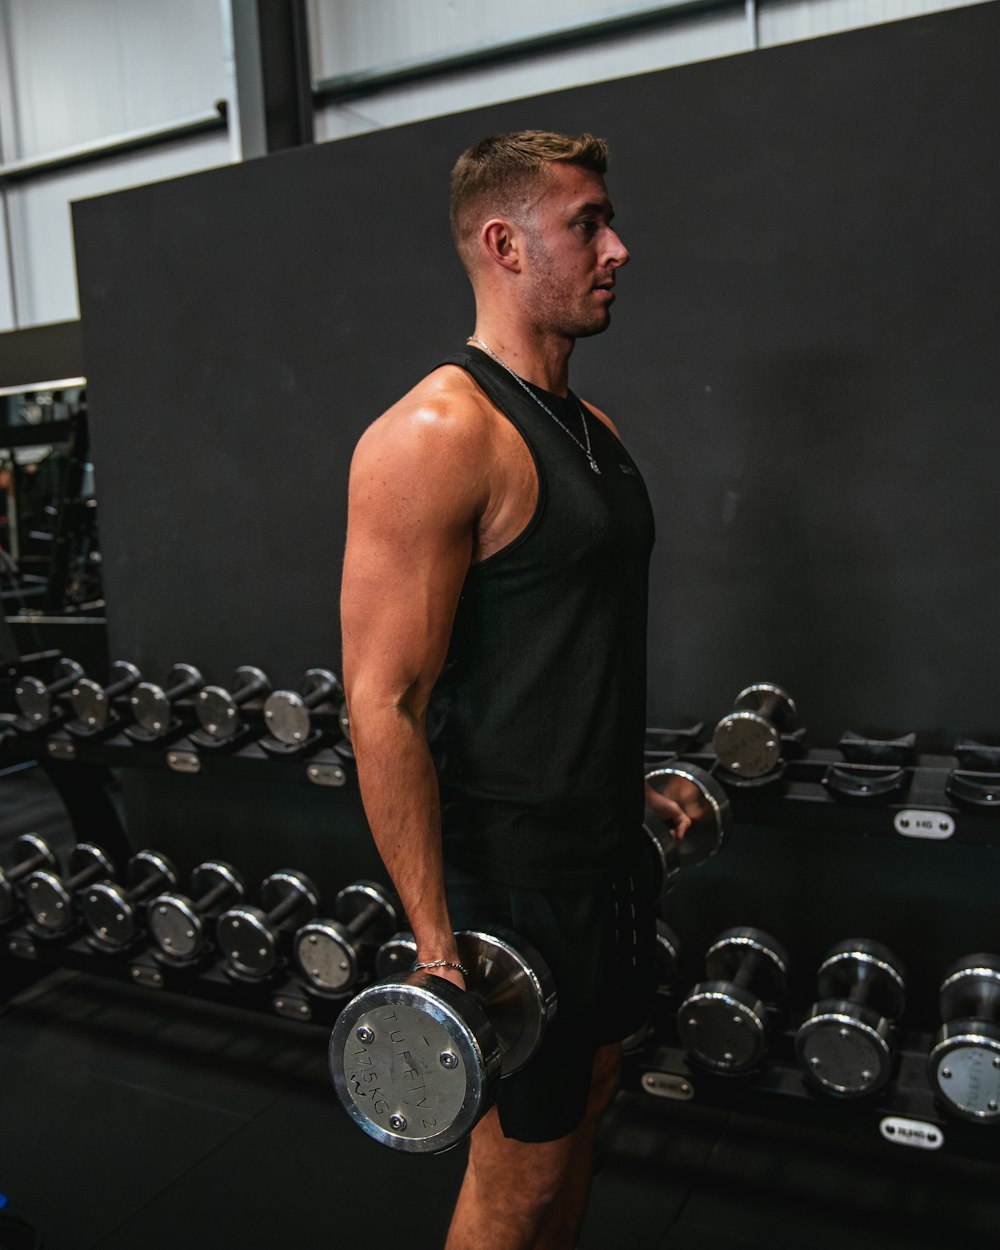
x: 409, y: 544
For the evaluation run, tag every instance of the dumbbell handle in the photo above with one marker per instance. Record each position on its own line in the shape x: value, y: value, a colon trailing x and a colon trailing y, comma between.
x: 63, y: 683
x: 144, y: 886
x: 367, y: 916
x: 25, y: 866
x: 211, y: 897
x: 244, y: 694
x: 279, y: 911
x: 749, y: 963
x: 324, y: 685
x: 192, y: 680
x: 82, y: 877
x: 130, y: 677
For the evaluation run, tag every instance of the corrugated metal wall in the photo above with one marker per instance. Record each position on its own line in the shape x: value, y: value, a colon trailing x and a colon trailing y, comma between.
x: 79, y: 71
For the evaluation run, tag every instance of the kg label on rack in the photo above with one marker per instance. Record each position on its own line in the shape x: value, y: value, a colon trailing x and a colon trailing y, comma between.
x: 916, y: 823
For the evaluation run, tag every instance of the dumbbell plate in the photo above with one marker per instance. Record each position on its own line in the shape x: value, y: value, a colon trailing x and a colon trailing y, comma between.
x: 90, y: 703
x: 710, y: 811
x: 415, y: 1062
x: 964, y: 1069
x: 151, y: 707
x: 46, y: 896
x: 325, y: 956
x: 723, y: 1027
x: 747, y: 744
x: 516, y: 986
x: 844, y: 1049
x: 287, y: 717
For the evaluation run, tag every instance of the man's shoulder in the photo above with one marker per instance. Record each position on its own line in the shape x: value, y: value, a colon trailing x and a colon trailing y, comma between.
x: 445, y: 414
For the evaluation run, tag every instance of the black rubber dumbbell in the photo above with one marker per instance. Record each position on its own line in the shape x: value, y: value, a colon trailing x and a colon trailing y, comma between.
x: 846, y: 1045
x: 747, y: 742
x: 153, y: 706
x: 92, y: 702
x: 964, y: 1060
x: 287, y: 713
x: 178, y: 923
x: 330, y: 953
x: 417, y: 1062
x: 50, y: 897
x: 218, y: 709
x: 705, y: 801
x: 36, y: 698
x: 30, y: 853
x: 249, y: 936
x: 723, y: 1023
x: 112, y: 911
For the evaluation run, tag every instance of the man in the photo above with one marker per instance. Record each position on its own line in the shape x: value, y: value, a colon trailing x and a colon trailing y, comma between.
x: 494, y: 615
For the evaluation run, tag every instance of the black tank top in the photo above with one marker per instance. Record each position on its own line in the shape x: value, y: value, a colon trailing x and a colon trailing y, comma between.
x: 537, y: 719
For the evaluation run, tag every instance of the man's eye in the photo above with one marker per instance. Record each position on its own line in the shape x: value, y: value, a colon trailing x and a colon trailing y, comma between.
x: 587, y: 225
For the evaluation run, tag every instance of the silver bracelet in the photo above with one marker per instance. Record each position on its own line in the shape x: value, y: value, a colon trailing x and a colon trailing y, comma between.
x: 442, y: 963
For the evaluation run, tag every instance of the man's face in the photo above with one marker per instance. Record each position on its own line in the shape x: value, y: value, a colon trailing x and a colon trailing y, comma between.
x: 572, y: 254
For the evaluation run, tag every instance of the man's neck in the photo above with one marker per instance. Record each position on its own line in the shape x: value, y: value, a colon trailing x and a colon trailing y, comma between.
x: 540, y: 359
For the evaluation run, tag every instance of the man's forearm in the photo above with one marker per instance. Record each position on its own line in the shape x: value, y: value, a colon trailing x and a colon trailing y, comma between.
x: 399, y: 788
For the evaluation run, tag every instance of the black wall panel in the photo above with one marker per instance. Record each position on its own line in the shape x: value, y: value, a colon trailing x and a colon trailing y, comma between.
x: 803, y: 360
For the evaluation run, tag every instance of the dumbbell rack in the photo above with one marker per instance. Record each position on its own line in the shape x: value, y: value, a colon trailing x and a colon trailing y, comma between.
x: 798, y: 798
x: 778, y: 1090
x: 283, y: 995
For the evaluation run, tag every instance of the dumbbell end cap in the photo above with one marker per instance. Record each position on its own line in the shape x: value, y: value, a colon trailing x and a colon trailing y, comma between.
x: 415, y: 1062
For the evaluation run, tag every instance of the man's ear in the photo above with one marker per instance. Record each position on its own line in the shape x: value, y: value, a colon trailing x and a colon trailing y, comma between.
x: 502, y: 243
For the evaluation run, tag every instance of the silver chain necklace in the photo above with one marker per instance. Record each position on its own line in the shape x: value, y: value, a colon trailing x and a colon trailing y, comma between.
x: 544, y: 407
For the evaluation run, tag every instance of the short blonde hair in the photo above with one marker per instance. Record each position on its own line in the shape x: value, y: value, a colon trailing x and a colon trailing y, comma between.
x: 497, y: 175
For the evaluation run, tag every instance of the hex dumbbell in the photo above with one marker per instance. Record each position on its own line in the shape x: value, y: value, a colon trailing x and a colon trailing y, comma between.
x: 36, y: 698
x: 218, y: 709
x: 330, y: 953
x: 417, y: 1061
x: 748, y: 740
x: 30, y: 853
x: 111, y: 910
x: 845, y: 1045
x: 723, y: 1021
x: 249, y: 936
x: 287, y: 712
x: 50, y: 897
x: 705, y: 801
x: 178, y: 923
x: 964, y: 1060
x: 153, y: 706
x: 92, y: 701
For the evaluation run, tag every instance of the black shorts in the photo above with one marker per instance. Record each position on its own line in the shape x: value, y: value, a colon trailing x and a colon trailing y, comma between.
x: 600, y: 946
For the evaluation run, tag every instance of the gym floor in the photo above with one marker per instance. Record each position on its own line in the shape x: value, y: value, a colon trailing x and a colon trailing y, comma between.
x: 137, y: 1121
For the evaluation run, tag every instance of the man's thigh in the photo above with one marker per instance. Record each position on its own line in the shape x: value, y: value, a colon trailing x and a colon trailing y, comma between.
x: 599, y: 944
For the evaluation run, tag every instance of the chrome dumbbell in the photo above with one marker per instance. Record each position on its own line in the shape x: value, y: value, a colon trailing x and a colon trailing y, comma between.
x: 112, y: 911
x: 36, y: 698
x: 287, y: 713
x: 249, y: 936
x: 92, y: 701
x: 723, y: 1021
x: 417, y: 1062
x: 748, y: 740
x: 845, y: 1046
x: 964, y: 1060
x: 218, y: 709
x: 178, y: 924
x: 153, y: 706
x: 30, y: 853
x: 330, y: 953
x: 50, y: 898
